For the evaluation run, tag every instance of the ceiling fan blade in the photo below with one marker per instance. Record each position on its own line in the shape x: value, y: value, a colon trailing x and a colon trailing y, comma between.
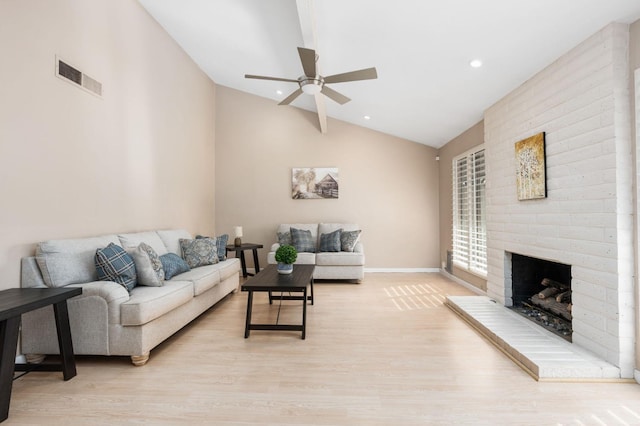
x: 338, y: 97
x: 365, y: 74
x: 308, y: 59
x: 291, y: 97
x: 261, y: 77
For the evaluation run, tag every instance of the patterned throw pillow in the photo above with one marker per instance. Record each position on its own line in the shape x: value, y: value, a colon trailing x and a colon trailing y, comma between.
x: 199, y: 252
x: 221, y: 243
x: 349, y: 239
x: 302, y: 241
x: 284, y: 238
x: 173, y: 265
x: 148, y: 266
x: 115, y: 264
x: 331, y: 241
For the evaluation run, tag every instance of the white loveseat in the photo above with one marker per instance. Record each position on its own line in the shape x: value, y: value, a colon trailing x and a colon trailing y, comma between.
x: 107, y: 319
x: 334, y: 265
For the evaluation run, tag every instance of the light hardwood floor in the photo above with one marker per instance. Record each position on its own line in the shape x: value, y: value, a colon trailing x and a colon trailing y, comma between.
x: 385, y: 352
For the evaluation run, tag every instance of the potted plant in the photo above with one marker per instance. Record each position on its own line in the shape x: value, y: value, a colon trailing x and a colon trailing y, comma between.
x: 285, y: 256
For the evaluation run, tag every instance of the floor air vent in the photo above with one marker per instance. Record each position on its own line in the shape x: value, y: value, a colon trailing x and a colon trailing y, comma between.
x: 77, y: 77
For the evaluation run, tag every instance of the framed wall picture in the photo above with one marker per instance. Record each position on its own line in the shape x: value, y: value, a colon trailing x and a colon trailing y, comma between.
x: 314, y: 183
x: 531, y: 180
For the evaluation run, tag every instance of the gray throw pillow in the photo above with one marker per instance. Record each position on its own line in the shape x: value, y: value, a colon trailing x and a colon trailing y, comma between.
x: 349, y: 239
x: 302, y: 240
x: 284, y: 238
x: 148, y: 266
x: 331, y: 242
x: 221, y: 243
x: 199, y: 252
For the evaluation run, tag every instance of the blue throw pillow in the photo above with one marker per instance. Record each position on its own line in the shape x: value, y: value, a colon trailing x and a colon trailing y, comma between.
x: 302, y: 241
x: 173, y: 265
x: 331, y: 241
x: 115, y: 264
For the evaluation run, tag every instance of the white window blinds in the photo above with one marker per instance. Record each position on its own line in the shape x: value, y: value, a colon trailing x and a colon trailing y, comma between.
x: 469, y: 210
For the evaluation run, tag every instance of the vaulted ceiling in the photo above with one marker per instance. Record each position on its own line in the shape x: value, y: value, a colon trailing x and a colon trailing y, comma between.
x: 426, y: 90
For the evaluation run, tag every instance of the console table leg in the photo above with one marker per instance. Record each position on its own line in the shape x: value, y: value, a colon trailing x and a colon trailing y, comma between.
x: 9, y: 338
x: 64, y: 340
x: 256, y: 263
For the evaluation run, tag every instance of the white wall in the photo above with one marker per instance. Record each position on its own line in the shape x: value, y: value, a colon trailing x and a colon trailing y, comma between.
x: 582, y: 103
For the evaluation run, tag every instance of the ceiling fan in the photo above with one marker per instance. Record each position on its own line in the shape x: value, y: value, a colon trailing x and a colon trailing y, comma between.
x: 312, y: 83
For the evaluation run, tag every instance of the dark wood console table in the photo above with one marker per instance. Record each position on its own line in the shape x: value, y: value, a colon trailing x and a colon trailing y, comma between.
x: 15, y: 302
x: 240, y: 253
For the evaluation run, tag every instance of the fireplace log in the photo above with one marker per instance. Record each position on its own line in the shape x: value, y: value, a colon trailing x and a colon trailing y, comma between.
x: 548, y: 292
x: 564, y: 297
x: 550, y: 304
x: 548, y: 282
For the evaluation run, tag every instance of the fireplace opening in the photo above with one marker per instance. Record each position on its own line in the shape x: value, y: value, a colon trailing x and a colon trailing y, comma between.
x: 541, y: 292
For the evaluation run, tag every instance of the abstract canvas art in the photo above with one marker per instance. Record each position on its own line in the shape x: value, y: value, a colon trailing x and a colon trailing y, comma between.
x: 531, y: 181
x: 314, y: 183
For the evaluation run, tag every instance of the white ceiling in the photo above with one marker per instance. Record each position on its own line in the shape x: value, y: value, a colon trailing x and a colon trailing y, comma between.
x: 426, y: 91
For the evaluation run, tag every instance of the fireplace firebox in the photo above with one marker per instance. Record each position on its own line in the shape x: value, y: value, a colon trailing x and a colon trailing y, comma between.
x: 541, y: 292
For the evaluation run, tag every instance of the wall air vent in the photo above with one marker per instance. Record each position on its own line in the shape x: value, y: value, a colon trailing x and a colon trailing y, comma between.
x: 77, y: 77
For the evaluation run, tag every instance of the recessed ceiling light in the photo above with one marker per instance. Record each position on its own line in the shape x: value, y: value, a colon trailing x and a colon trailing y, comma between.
x: 476, y: 63
x: 366, y: 117
x: 279, y: 92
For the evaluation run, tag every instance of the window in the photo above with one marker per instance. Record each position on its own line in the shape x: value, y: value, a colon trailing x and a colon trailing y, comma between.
x: 469, y: 212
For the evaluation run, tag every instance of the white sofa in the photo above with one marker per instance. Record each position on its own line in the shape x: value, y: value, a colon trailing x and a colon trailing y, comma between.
x: 342, y: 265
x: 108, y: 320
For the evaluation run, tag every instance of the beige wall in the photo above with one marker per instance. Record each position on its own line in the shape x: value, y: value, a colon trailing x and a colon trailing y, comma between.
x: 72, y: 164
x: 387, y: 185
x: 634, y: 64
x: 471, y: 138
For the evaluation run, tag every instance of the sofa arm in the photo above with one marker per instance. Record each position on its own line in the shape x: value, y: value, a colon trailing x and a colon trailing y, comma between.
x: 112, y: 294
x: 358, y: 248
x: 275, y: 246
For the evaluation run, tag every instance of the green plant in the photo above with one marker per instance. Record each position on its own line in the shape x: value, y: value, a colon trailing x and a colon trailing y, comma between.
x: 286, y: 254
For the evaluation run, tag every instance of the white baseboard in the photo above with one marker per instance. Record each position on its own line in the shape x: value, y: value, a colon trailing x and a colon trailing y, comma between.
x: 462, y: 283
x: 401, y: 270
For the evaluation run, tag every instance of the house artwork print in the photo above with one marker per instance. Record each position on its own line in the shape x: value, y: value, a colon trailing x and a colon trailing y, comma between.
x: 314, y: 183
x: 531, y: 182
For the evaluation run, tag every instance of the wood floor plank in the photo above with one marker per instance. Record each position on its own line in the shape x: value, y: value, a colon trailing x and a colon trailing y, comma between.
x: 384, y: 352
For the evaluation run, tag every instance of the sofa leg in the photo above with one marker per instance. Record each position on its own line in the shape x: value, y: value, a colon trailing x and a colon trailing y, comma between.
x: 139, y: 360
x: 34, y: 358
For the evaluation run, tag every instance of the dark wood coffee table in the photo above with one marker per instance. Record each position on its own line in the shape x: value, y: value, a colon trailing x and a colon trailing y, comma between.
x: 269, y: 280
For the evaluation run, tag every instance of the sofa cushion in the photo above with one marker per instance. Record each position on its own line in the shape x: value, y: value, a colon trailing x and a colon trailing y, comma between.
x: 330, y: 242
x: 305, y: 258
x: 199, y: 252
x: 148, y: 303
x: 203, y: 278
x: 115, y: 264
x: 228, y: 268
x: 171, y: 239
x: 173, y: 265
x: 339, y: 259
x: 148, y: 265
x: 151, y: 238
x: 70, y: 261
x: 303, y: 241
x: 349, y: 239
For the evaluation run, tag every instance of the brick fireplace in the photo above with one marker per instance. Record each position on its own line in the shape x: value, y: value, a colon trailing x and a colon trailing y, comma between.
x: 582, y: 103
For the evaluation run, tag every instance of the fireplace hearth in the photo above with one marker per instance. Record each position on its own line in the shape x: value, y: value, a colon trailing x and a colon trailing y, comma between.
x: 541, y: 292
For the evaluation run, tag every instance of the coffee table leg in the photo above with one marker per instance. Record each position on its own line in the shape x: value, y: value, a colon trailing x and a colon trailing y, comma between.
x: 9, y: 339
x: 248, y: 321
x: 304, y: 313
x: 312, y: 290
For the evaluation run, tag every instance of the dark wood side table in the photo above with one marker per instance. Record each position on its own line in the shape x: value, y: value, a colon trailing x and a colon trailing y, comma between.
x: 240, y: 253
x: 15, y: 302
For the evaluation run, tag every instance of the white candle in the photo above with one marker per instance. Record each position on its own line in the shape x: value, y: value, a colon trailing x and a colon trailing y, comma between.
x: 238, y: 231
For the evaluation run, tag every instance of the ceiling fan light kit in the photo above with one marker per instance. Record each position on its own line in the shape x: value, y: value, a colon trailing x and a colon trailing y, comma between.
x: 311, y: 86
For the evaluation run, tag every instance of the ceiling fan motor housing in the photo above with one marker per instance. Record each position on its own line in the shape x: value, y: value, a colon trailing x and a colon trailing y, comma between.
x: 311, y: 85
